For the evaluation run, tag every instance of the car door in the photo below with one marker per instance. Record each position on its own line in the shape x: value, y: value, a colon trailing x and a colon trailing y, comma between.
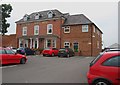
x: 11, y: 56
x: 111, y: 69
x: 3, y: 56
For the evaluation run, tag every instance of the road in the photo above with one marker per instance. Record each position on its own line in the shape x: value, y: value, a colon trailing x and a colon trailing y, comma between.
x: 40, y: 69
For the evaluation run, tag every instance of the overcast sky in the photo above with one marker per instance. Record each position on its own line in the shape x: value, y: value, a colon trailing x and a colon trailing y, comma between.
x: 103, y: 14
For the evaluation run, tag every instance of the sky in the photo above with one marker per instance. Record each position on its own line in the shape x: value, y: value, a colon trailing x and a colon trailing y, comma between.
x: 103, y: 14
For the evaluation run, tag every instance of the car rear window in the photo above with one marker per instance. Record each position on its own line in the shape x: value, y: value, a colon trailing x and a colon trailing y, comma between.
x: 61, y: 50
x: 96, y: 59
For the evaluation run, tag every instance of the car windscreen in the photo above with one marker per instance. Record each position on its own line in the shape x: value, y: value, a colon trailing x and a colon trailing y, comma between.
x: 2, y: 51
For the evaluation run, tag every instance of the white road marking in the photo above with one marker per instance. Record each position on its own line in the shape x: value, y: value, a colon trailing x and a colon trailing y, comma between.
x: 8, y: 66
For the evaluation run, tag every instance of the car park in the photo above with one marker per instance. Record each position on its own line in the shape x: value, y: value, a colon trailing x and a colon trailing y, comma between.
x: 105, y: 69
x: 65, y: 52
x: 8, y: 56
x: 50, y: 52
x: 25, y: 51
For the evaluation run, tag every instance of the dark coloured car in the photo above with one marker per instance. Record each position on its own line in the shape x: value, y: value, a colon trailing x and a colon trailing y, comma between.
x: 65, y: 52
x: 105, y: 69
x: 25, y: 51
x: 50, y: 52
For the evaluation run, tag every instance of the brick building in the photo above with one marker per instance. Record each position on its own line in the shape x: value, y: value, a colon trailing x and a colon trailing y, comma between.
x: 8, y: 41
x: 51, y: 28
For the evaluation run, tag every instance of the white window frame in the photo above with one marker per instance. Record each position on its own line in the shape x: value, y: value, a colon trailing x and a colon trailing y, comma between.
x: 54, y: 42
x: 23, y: 31
x: 25, y: 18
x: 85, y: 28
x: 50, y: 14
x: 36, y: 28
x: 67, y: 27
x: 49, y: 28
x: 67, y: 43
x: 47, y: 42
x: 37, y: 16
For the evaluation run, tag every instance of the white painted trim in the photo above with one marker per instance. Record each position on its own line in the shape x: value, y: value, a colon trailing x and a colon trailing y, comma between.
x: 67, y: 42
x: 67, y: 27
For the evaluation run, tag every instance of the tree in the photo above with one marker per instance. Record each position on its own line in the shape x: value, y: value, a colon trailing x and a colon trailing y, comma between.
x: 5, y: 11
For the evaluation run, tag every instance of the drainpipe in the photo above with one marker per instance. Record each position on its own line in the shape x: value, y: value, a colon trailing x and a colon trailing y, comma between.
x: 60, y: 30
x: 91, y: 39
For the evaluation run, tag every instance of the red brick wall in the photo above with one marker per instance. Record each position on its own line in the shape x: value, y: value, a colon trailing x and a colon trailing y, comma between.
x: 76, y: 35
x: 9, y: 40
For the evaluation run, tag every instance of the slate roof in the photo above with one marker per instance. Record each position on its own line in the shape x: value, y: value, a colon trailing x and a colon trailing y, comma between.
x: 43, y: 14
x: 69, y: 19
x: 77, y: 19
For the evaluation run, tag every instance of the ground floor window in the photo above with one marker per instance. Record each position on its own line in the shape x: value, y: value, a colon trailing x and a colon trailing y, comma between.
x: 54, y: 44
x: 48, y: 43
x: 75, y: 46
x: 67, y: 44
x: 51, y: 43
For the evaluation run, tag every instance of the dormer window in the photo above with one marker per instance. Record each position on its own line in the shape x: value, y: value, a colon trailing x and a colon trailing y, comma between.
x: 37, y: 16
x: 25, y: 17
x: 50, y: 14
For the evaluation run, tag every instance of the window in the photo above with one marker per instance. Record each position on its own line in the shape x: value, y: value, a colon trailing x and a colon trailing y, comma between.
x: 24, y: 31
x: 9, y: 52
x: 67, y: 44
x: 48, y: 43
x: 50, y: 14
x: 25, y: 18
x: 75, y: 47
x: 37, y: 16
x: 36, y: 30
x: 54, y: 44
x: 49, y: 29
x: 114, y: 61
x: 67, y: 29
x: 84, y: 28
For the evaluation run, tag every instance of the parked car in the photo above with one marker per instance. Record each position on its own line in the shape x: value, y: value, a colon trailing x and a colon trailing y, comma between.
x: 8, y: 56
x: 105, y: 69
x: 50, y: 52
x: 25, y: 51
x: 65, y: 52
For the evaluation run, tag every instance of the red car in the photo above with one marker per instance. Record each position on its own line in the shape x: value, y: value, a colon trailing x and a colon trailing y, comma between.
x: 8, y: 56
x: 105, y: 69
x: 50, y: 52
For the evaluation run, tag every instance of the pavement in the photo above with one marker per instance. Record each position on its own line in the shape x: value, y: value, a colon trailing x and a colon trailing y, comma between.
x: 39, y: 69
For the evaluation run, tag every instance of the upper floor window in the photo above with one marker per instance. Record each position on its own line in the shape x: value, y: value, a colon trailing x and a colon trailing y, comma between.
x: 49, y: 29
x: 84, y: 28
x: 50, y: 14
x: 36, y: 30
x: 37, y: 16
x: 67, y: 44
x: 24, y: 31
x: 25, y: 18
x: 67, y: 29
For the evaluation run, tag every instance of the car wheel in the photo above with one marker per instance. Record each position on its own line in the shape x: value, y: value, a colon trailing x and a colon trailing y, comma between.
x: 52, y: 54
x: 101, y: 82
x: 43, y: 54
x: 22, y: 61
